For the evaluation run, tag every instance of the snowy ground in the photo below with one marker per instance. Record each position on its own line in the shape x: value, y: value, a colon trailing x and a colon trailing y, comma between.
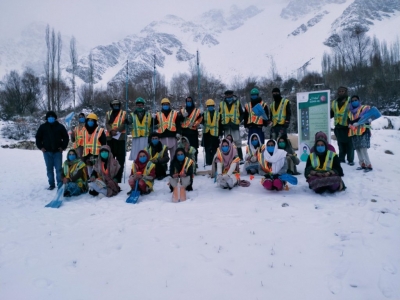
x: 220, y: 244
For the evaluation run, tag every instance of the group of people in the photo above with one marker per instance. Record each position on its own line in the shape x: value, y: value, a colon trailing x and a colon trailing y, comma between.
x: 96, y: 161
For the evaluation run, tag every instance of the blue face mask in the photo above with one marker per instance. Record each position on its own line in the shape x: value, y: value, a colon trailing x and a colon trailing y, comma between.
x: 154, y: 142
x: 270, y: 149
x: 320, y: 149
x: 180, y: 157
x: 225, y: 149
x: 254, y: 142
x: 253, y: 97
x: 115, y: 107
x: 355, y: 104
x: 51, y: 120
x: 229, y: 100
x: 142, y: 159
x: 210, y: 108
x: 189, y: 104
x: 90, y: 123
x: 104, y: 154
x: 71, y: 157
x: 165, y: 107
x: 82, y: 120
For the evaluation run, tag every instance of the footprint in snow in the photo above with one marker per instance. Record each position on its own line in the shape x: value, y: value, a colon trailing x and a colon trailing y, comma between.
x: 42, y: 283
x: 335, y: 279
x: 385, y: 286
x: 388, y: 267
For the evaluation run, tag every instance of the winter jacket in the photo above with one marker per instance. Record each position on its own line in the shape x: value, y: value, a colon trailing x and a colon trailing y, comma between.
x: 52, y: 137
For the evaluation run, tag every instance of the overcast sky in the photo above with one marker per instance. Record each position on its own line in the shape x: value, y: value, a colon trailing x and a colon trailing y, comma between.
x: 95, y: 22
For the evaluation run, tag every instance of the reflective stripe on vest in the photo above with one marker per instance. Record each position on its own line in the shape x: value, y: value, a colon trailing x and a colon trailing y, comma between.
x: 71, y: 172
x: 186, y: 165
x: 78, y: 136
x: 141, y: 129
x: 327, y: 164
x: 263, y: 163
x: 211, y: 126
x: 279, y: 115
x: 340, y: 115
x: 226, y: 168
x: 191, y: 121
x: 253, y: 118
x: 158, y: 154
x: 91, y: 143
x: 166, y: 122
x: 149, y: 167
x: 359, y: 130
x: 118, y: 121
x: 231, y: 115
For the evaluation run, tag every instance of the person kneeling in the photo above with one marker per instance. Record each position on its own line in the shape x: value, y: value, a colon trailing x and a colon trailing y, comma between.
x: 273, y: 163
x: 104, y: 179
x: 227, y: 160
x: 74, y: 175
x: 181, y: 168
x: 143, y: 171
x: 323, y: 171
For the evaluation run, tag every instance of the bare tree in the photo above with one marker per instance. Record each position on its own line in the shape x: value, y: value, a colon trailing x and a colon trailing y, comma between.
x: 74, y: 62
x: 58, y: 82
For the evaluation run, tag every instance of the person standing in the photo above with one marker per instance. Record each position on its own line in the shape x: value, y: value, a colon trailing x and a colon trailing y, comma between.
x: 230, y: 115
x: 253, y: 122
x: 211, y: 131
x: 340, y: 111
x: 116, y: 130
x: 169, y: 128
x: 141, y: 124
x: 77, y: 135
x: 52, y: 139
x: 280, y: 114
x: 192, y: 119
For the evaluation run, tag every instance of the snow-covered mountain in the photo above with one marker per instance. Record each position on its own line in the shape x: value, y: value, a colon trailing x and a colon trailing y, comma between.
x: 234, y: 42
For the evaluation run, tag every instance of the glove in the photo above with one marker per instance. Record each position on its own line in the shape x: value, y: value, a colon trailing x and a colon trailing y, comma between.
x: 178, y: 136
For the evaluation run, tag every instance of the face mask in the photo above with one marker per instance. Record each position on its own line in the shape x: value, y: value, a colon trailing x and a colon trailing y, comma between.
x: 210, y: 108
x: 321, y: 149
x: 225, y: 149
x: 82, y: 120
x: 115, y: 107
x: 254, y: 97
x: 276, y: 97
x: 180, y: 157
x: 254, y: 142
x: 165, y: 107
x: 355, y: 104
x: 189, y: 104
x: 229, y: 100
x: 90, y: 123
x: 140, y: 109
x: 282, y: 145
x: 304, y: 150
x: 270, y: 149
x: 154, y: 142
x: 51, y: 120
x: 71, y: 157
x: 104, y: 154
x: 142, y: 159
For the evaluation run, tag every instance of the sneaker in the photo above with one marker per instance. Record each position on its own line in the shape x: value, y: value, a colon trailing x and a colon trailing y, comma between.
x: 130, y: 192
x: 52, y: 187
x: 367, y: 169
x: 67, y: 194
x: 241, y: 162
x: 351, y: 163
x: 93, y: 192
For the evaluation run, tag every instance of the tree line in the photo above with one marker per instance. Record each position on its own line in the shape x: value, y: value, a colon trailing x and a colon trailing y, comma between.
x: 368, y: 67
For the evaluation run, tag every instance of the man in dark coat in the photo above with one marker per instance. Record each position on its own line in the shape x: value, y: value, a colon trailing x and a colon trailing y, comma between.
x: 52, y: 138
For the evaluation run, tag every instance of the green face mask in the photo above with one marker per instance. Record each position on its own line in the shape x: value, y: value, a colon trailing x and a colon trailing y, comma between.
x: 104, y: 154
x: 140, y: 109
x: 282, y: 145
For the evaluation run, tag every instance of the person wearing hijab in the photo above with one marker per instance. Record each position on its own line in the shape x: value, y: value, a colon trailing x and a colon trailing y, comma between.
x: 181, y: 167
x: 74, y: 175
x: 227, y: 161
x: 323, y: 171
x: 291, y: 156
x: 190, y: 151
x: 143, y: 171
x: 360, y: 135
x: 272, y: 164
x: 158, y: 155
x: 103, y: 179
x: 322, y: 135
x: 251, y: 165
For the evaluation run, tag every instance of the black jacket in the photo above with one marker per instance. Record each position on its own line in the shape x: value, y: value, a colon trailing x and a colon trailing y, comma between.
x: 52, y: 137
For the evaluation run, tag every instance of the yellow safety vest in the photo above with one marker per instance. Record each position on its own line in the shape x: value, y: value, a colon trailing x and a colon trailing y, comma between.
x: 157, y: 154
x: 359, y: 130
x: 193, y: 120
x: 279, y: 114
x: 70, y: 172
x: 253, y: 118
x: 186, y: 165
x: 91, y: 143
x: 118, y: 121
x: 211, y: 125
x: 141, y: 129
x: 340, y: 115
x: 232, y: 115
x: 149, y: 167
x: 165, y: 123
x: 327, y: 164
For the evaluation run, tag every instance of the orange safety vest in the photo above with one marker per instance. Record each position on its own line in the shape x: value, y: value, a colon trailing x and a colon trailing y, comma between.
x: 226, y: 168
x: 78, y: 136
x: 359, y: 130
x: 165, y: 123
x: 193, y: 120
x: 263, y: 163
x: 91, y: 143
x: 253, y: 118
x: 118, y: 121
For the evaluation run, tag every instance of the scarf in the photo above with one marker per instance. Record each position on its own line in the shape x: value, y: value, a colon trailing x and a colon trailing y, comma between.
x: 140, y: 167
x: 228, y: 157
x: 252, y: 149
x: 111, y: 164
x: 277, y: 159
